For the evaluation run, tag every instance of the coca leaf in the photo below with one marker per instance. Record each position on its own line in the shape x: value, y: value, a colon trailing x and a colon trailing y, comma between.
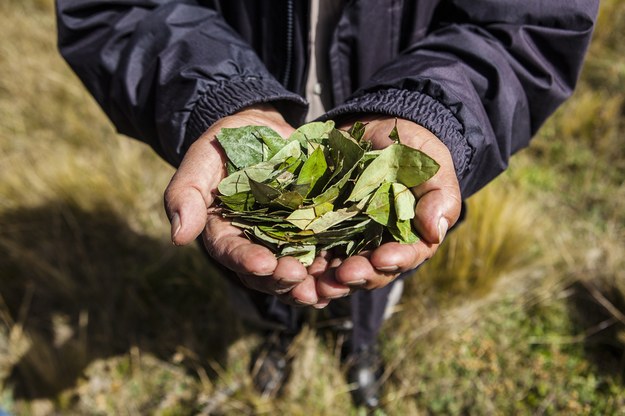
x: 242, y: 201
x: 396, y: 163
x: 246, y: 146
x: 404, y: 202
x: 263, y: 193
x: 381, y: 204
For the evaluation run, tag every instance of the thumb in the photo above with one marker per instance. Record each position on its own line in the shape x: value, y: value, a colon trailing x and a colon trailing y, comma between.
x: 190, y: 191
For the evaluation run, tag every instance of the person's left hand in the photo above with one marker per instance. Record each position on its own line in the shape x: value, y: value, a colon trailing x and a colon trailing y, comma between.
x: 438, y: 208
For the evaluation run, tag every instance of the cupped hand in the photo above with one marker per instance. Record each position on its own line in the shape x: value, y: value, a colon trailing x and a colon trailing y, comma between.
x: 189, y: 202
x: 438, y: 208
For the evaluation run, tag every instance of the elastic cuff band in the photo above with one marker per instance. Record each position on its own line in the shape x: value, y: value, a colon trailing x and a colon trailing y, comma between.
x: 419, y: 108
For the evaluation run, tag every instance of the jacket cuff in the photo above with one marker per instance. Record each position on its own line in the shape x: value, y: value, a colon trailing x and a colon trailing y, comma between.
x: 226, y: 98
x: 419, y: 108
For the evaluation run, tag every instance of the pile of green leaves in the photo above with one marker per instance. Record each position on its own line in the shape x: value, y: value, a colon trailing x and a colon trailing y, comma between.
x: 319, y: 189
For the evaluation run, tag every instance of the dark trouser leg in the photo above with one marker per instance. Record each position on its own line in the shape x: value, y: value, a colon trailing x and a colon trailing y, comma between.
x: 368, y: 308
x: 365, y: 364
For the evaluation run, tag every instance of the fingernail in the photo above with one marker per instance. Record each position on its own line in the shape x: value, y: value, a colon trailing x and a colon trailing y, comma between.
x: 301, y: 302
x: 391, y: 268
x: 339, y: 296
x: 283, y: 290
x: 357, y: 283
x: 290, y: 281
x: 320, y: 306
x: 175, y: 225
x: 442, y: 229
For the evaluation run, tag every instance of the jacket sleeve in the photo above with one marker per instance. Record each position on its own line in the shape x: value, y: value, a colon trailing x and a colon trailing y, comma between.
x: 484, y: 78
x: 164, y: 71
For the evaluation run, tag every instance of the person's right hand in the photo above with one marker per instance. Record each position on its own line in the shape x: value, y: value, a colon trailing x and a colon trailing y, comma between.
x: 189, y: 202
x: 439, y: 203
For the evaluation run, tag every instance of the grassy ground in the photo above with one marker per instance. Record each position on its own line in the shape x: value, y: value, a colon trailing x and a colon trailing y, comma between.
x: 523, y: 311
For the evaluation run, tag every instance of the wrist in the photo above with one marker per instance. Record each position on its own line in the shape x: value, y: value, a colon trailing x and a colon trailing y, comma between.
x: 379, y: 127
x: 254, y: 115
x: 263, y: 113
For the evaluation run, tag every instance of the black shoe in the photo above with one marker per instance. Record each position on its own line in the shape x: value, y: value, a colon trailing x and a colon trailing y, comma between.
x: 364, y: 373
x: 270, y: 366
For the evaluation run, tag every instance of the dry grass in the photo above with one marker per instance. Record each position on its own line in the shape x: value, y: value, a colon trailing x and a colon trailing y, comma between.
x: 499, y: 236
x: 519, y: 313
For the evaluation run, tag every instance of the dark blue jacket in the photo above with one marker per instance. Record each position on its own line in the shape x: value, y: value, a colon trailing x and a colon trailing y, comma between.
x: 483, y: 75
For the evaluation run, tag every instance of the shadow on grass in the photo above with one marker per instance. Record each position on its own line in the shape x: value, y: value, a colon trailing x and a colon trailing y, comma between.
x: 603, y: 331
x: 84, y: 285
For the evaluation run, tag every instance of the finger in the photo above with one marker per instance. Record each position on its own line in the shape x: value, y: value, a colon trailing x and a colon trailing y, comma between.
x: 228, y: 246
x: 319, y: 264
x: 398, y: 258
x: 276, y: 285
x: 327, y: 285
x: 289, y: 272
x: 357, y: 271
x: 264, y: 284
x: 436, y: 211
x: 322, y: 303
x: 305, y: 293
x: 190, y: 190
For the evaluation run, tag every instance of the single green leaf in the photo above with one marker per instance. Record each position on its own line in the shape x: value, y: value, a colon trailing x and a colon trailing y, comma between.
x: 315, y: 131
x: 290, y: 149
x: 322, y: 208
x: 380, y: 206
x: 344, y: 150
x: 302, y: 217
x: 312, y: 170
x: 291, y: 200
x: 396, y: 163
x: 403, y: 232
x: 238, y: 181
x: 330, y: 219
x: 243, y: 201
x: 263, y: 193
x: 244, y: 146
x: 305, y: 254
x: 283, y: 232
x: 404, y: 201
x: 347, y: 229
x: 295, y: 237
x: 265, y: 238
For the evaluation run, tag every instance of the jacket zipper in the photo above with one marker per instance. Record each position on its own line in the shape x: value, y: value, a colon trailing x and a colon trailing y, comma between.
x: 286, y: 77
